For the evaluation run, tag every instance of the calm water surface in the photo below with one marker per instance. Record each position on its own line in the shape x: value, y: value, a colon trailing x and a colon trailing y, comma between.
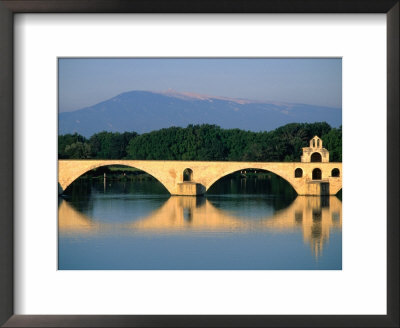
x: 241, y: 224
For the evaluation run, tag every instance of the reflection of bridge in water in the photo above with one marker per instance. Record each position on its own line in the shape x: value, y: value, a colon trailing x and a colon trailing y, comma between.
x: 315, y: 216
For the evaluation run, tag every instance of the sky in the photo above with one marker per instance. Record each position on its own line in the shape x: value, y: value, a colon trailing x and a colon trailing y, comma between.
x: 84, y: 82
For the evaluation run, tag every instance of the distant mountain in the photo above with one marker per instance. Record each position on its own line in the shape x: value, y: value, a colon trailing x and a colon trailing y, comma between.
x: 144, y: 111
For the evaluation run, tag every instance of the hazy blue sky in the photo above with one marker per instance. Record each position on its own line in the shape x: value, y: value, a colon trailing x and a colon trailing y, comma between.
x: 85, y: 82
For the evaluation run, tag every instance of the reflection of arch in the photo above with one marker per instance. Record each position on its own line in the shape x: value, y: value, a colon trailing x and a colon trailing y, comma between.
x: 316, y: 157
x: 335, y: 173
x: 250, y: 168
x: 187, y: 175
x: 316, y: 174
x: 78, y: 170
x: 298, y: 173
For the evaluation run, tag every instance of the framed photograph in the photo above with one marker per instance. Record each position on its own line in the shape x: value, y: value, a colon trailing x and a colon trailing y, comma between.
x: 184, y: 170
x: 181, y: 164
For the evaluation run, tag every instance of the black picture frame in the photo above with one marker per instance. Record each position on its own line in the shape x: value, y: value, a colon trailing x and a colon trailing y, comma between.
x: 7, y: 10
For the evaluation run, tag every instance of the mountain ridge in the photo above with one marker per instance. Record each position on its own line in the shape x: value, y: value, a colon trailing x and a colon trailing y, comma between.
x: 144, y: 111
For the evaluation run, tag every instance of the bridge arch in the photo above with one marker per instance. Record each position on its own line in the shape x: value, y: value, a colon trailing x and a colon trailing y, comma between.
x: 228, y: 172
x: 72, y: 174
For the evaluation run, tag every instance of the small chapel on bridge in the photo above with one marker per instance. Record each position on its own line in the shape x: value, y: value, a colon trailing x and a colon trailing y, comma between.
x: 315, y: 153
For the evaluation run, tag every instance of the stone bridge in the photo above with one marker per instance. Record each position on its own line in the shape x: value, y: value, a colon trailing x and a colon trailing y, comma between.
x: 307, y: 178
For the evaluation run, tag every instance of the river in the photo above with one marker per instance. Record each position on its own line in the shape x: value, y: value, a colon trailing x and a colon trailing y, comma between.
x: 253, y: 223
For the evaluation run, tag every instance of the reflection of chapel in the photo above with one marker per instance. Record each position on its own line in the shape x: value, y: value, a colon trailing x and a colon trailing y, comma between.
x: 315, y: 153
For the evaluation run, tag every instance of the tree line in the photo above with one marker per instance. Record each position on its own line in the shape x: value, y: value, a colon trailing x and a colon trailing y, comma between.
x: 204, y: 142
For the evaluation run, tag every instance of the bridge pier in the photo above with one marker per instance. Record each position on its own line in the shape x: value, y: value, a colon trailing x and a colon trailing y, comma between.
x: 315, y: 188
x: 189, y: 188
x: 324, y: 187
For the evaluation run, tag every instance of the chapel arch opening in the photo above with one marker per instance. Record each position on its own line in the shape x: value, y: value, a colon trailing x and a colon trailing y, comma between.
x: 335, y: 173
x: 316, y: 157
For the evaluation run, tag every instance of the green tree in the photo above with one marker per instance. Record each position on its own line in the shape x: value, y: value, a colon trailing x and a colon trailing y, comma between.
x: 109, y: 145
x: 78, y: 150
x: 68, y: 139
x: 332, y: 141
x: 204, y: 142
